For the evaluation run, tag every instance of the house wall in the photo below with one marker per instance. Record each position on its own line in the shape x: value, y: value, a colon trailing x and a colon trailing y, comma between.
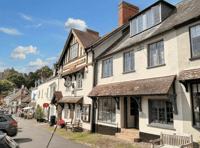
x: 184, y: 55
x: 46, y: 98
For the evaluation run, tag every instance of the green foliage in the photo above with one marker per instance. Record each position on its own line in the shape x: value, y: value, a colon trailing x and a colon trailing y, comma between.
x: 16, y: 78
x: 32, y: 76
x: 6, y: 87
x: 39, y: 113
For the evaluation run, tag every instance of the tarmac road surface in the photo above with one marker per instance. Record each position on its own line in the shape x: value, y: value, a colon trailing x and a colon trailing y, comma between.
x: 32, y: 136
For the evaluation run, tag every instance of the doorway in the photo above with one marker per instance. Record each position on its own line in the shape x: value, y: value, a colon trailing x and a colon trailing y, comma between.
x: 131, y: 113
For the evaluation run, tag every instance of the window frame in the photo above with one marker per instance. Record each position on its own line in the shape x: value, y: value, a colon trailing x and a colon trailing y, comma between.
x: 150, y: 111
x: 66, y: 115
x: 74, y: 50
x: 191, y: 56
x: 102, y: 71
x: 192, y: 104
x: 83, y: 112
x: 79, y: 80
x: 130, y: 62
x: 148, y: 53
x: 112, y: 100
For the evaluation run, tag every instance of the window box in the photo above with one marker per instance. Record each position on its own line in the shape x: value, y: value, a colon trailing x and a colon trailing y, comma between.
x: 85, y: 115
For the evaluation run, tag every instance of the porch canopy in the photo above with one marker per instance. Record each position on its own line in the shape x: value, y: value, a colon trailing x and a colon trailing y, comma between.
x: 32, y: 104
x: 74, y: 70
x: 188, y: 76
x: 153, y: 86
x: 136, y: 89
x: 75, y: 100
x: 25, y: 108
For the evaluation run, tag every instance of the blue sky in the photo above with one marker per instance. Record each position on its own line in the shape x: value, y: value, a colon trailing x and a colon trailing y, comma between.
x: 33, y: 33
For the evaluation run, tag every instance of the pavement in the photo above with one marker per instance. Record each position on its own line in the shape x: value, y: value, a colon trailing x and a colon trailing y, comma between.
x: 32, y: 136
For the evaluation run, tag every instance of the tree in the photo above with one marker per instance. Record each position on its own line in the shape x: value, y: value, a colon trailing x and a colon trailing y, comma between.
x: 33, y: 76
x: 6, y: 87
x: 39, y: 113
x: 16, y: 78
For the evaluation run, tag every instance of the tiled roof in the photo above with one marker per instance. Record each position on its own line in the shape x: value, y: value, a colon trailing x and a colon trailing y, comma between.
x: 152, y: 86
x: 32, y: 104
x: 189, y: 75
x: 16, y: 95
x: 85, y: 38
x: 108, y: 34
x: 58, y: 95
x: 27, y: 99
x: 73, y: 70
x: 185, y: 11
x: 71, y: 100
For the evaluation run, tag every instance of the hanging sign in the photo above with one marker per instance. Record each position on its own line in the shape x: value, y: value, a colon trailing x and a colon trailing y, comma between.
x: 45, y: 105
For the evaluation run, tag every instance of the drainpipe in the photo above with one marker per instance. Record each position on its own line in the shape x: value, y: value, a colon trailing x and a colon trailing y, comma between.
x: 93, y: 100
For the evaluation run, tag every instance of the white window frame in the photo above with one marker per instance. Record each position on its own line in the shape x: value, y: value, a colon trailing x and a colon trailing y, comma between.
x: 52, y: 86
x: 78, y: 112
x: 158, y: 58
x: 107, y: 68
x: 66, y: 111
x: 128, y: 68
x: 195, y: 33
x: 79, y: 81
x: 73, y: 51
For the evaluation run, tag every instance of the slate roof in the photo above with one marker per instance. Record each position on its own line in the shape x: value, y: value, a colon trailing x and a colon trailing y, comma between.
x: 71, y: 100
x: 152, y: 86
x: 185, y: 11
x: 192, y: 74
x: 85, y: 38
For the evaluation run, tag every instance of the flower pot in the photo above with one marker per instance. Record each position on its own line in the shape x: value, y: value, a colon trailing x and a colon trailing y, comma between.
x: 41, y: 120
x: 37, y: 120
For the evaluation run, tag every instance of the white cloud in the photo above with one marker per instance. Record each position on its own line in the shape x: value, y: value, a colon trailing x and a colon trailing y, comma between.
x: 51, y: 59
x: 26, y: 17
x: 3, y: 63
x: 34, y: 26
x: 20, y: 52
x: 10, y: 31
x: 77, y: 24
x: 38, y: 63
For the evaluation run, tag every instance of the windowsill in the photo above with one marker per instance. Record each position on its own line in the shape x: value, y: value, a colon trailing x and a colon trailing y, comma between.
x: 194, y: 58
x: 78, y: 89
x: 162, y: 126
x: 99, y: 121
x: 156, y: 66
x: 128, y: 72
x: 198, y: 127
x: 106, y: 76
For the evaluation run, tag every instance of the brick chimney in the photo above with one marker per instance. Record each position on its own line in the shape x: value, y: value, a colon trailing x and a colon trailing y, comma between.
x: 43, y: 73
x: 126, y: 11
x: 92, y: 32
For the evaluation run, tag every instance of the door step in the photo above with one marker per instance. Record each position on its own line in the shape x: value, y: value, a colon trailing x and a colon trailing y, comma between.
x: 131, y: 135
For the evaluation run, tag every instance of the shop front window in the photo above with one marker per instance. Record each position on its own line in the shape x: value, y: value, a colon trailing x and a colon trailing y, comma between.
x: 196, y: 104
x: 107, y: 110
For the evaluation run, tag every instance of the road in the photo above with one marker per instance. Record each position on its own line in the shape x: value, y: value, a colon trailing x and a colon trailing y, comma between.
x: 31, y: 136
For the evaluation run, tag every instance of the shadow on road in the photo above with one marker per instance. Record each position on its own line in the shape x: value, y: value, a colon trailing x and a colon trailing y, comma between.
x: 22, y: 140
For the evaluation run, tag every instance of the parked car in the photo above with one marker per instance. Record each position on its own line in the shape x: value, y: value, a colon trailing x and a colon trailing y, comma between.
x: 7, y: 142
x: 7, y: 124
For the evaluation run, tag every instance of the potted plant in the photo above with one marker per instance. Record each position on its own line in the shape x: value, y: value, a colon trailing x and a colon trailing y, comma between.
x: 39, y: 114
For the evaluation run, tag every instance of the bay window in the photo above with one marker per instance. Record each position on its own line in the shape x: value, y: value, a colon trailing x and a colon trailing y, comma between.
x: 195, y: 40
x: 156, y: 54
x: 107, y: 110
x: 160, y: 111
x: 129, y: 61
x: 108, y: 67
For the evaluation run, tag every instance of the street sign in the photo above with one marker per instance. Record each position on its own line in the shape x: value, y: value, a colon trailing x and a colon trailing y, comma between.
x: 45, y: 105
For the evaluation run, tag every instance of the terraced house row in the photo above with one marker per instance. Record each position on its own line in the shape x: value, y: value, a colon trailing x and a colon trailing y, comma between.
x: 143, y: 77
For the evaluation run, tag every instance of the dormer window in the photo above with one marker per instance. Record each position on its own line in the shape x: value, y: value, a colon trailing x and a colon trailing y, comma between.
x: 146, y: 20
x: 73, y: 51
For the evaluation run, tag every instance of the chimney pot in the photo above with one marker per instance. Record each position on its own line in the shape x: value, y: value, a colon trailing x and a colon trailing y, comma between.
x: 126, y: 11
